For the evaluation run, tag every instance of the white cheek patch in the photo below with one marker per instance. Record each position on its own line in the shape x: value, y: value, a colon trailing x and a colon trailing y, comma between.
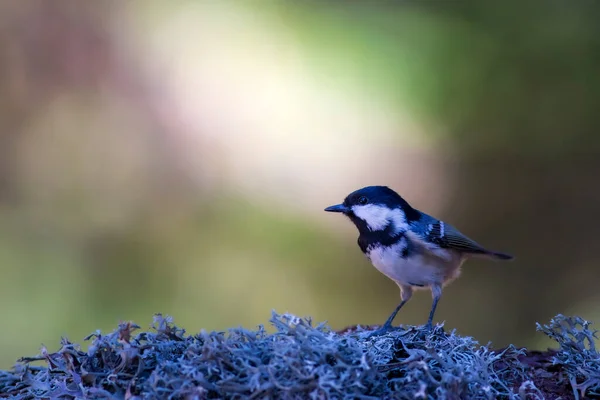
x: 378, y: 218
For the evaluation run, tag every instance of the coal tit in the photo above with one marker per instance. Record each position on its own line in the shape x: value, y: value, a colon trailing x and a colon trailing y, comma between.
x: 410, y: 247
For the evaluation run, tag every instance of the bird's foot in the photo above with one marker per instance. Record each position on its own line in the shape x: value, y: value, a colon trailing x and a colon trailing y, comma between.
x: 429, y: 328
x: 382, y: 331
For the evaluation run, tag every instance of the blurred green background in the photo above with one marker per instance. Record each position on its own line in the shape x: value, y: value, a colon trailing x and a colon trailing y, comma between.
x: 176, y: 157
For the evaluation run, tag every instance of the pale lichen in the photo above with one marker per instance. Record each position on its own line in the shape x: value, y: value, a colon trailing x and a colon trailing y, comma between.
x: 298, y: 361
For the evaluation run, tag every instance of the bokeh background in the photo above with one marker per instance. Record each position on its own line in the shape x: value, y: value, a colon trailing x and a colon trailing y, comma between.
x: 176, y: 157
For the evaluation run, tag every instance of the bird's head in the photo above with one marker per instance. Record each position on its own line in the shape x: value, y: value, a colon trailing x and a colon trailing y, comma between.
x: 375, y: 208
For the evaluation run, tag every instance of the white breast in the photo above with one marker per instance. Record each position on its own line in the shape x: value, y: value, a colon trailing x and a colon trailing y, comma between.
x: 420, y: 269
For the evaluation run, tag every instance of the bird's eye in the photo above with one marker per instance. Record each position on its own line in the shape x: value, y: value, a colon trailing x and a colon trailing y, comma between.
x: 362, y: 200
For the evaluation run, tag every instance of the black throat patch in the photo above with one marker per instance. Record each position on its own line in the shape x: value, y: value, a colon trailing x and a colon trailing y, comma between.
x: 386, y: 237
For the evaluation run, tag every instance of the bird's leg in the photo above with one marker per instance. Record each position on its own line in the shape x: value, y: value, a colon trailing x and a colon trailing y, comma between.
x: 405, y: 295
x: 388, y: 323
x: 436, y: 292
x: 387, y: 326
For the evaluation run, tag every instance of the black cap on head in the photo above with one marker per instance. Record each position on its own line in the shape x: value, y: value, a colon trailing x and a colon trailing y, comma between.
x: 377, y: 195
x: 381, y: 195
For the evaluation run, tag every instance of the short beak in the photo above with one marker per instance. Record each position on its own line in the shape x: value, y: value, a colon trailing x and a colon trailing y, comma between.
x: 337, y: 208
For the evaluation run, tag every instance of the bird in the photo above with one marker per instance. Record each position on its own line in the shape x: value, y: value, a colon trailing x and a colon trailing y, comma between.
x: 412, y: 248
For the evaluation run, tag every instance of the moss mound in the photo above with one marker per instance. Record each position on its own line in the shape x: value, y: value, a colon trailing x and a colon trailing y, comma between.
x: 301, y: 360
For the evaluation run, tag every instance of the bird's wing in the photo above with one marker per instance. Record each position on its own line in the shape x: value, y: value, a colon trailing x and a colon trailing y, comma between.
x: 432, y: 231
x: 438, y: 233
x: 448, y: 237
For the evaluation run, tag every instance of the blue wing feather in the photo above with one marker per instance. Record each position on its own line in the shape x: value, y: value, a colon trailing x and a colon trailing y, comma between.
x: 446, y: 236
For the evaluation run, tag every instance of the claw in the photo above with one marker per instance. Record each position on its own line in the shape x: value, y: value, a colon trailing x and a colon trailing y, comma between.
x: 430, y: 329
x: 382, y: 331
